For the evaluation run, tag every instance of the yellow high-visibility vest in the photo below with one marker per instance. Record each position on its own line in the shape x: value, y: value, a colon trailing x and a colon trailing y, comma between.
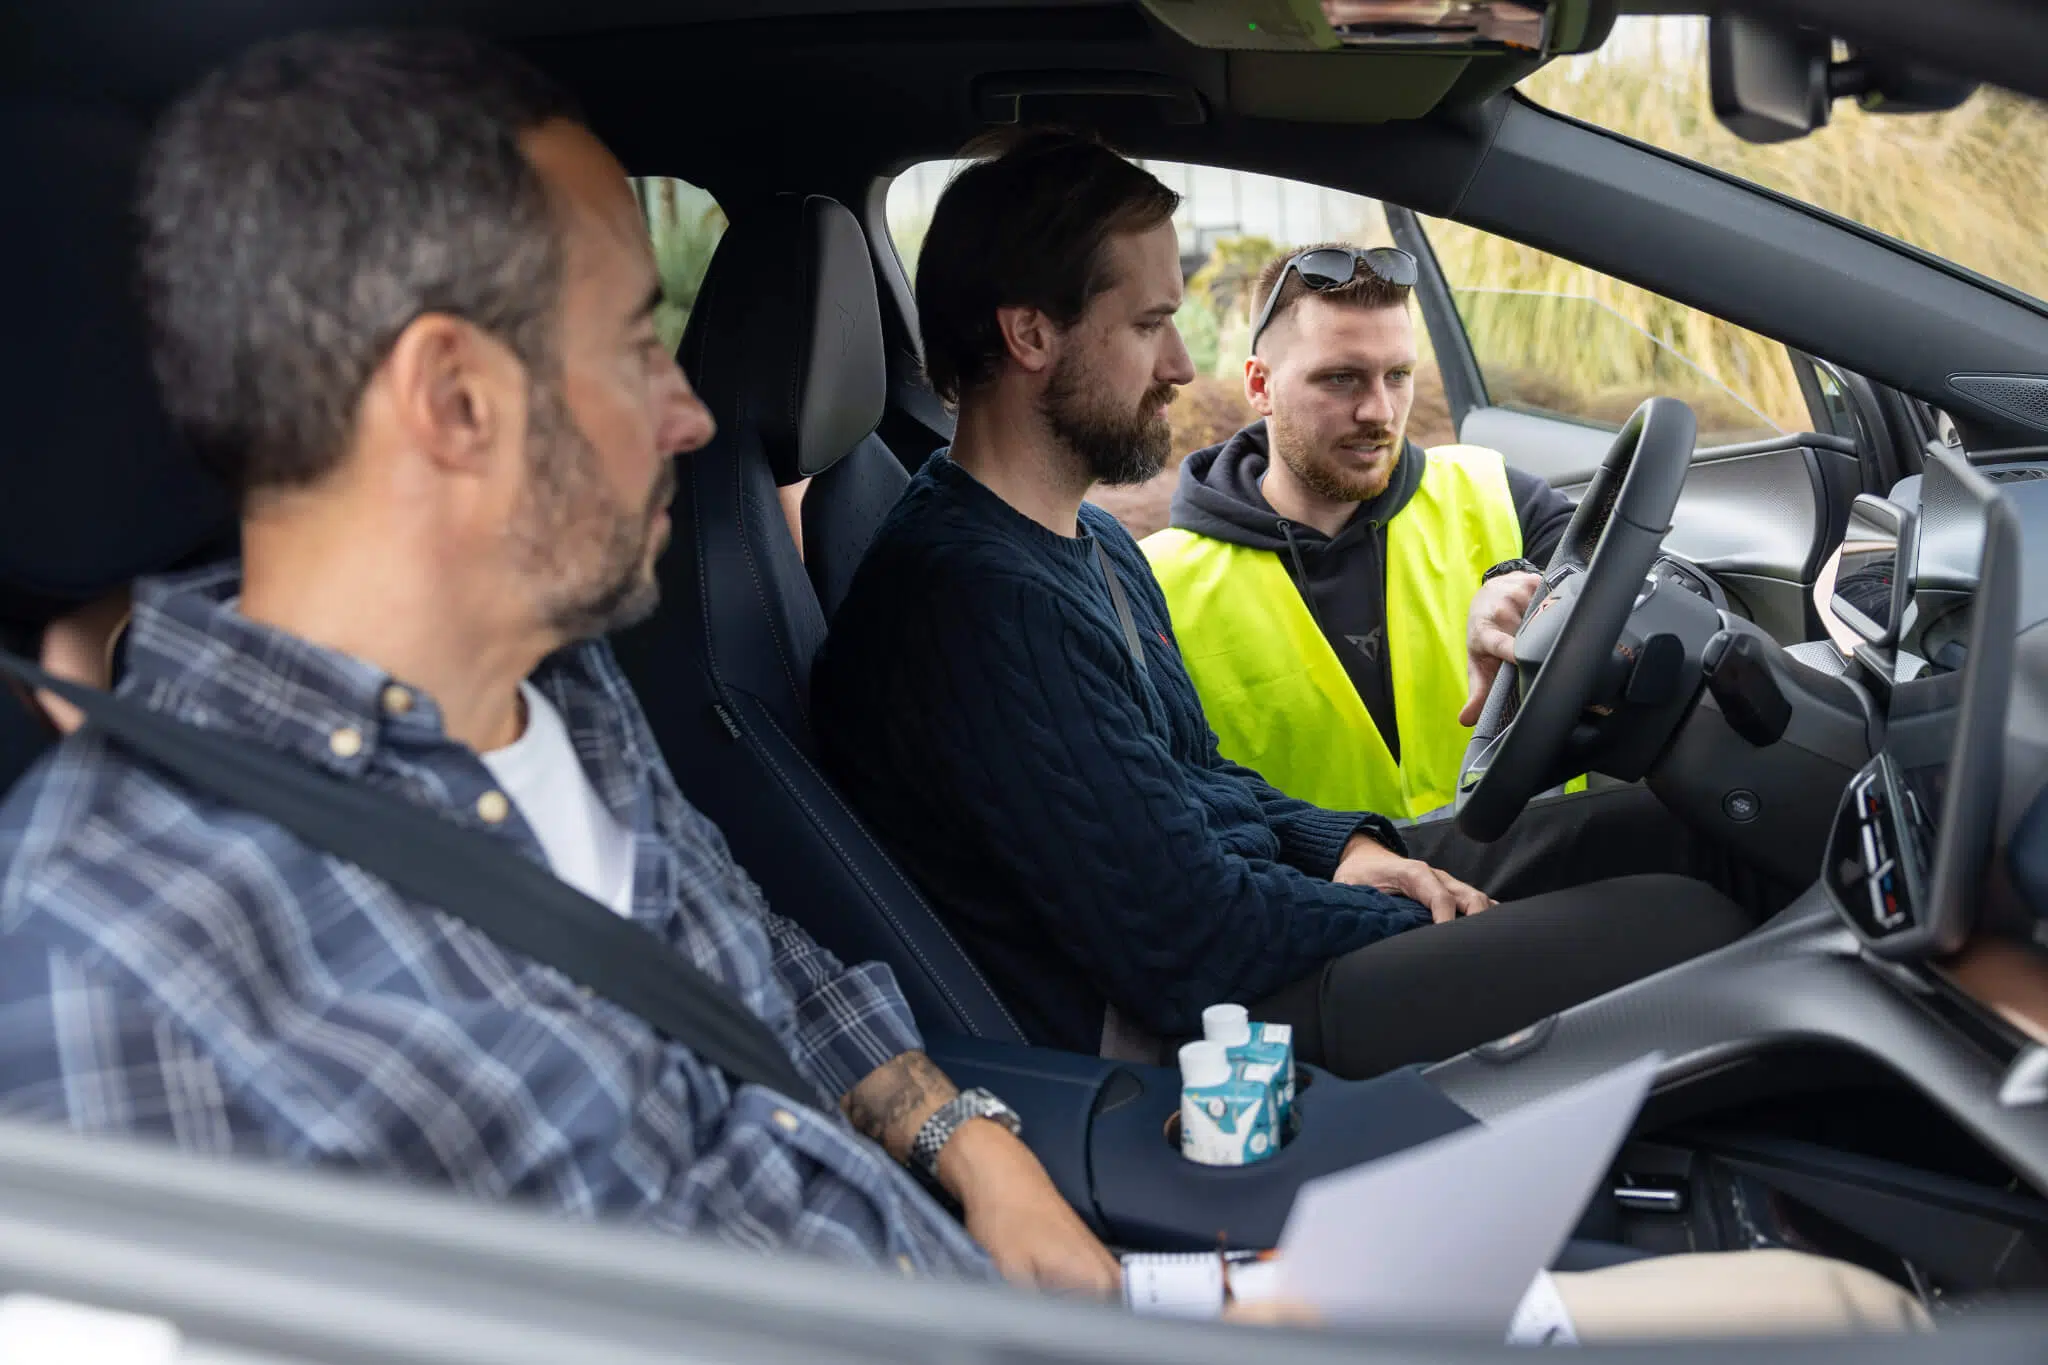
x: 1275, y: 692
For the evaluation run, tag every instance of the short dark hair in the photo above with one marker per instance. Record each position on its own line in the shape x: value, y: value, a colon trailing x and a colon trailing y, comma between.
x: 304, y: 204
x: 1366, y: 290
x: 1024, y: 226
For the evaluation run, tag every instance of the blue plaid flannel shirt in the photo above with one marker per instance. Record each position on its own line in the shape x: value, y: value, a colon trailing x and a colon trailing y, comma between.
x: 179, y: 968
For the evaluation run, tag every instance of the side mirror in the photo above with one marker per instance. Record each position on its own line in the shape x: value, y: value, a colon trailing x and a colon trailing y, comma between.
x: 1772, y: 80
x: 1870, y: 587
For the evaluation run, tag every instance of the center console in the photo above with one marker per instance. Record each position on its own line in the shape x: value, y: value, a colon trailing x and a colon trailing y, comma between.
x: 1907, y: 860
x: 1102, y: 1130
x: 1880, y: 855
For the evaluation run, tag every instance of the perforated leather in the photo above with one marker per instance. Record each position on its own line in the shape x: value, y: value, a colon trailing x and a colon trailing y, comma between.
x: 2022, y: 397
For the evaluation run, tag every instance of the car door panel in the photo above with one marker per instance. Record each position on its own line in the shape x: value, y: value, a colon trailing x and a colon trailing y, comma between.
x: 1762, y: 518
x: 1560, y: 452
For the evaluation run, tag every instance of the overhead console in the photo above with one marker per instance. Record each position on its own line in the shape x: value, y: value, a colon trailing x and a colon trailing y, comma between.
x: 1370, y: 61
x: 1546, y: 27
x: 1909, y: 854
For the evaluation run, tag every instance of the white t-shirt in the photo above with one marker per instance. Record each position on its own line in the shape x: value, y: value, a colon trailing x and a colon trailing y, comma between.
x: 586, y: 847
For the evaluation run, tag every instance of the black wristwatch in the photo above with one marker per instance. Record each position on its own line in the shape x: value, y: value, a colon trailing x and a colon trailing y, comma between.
x: 938, y: 1130
x: 1512, y: 566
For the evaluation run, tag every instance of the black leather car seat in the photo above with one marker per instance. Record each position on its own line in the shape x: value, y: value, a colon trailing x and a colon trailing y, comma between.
x: 94, y: 487
x: 843, y: 509
x: 785, y: 346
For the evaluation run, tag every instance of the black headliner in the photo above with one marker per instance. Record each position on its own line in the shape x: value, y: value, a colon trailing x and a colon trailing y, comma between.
x: 747, y: 97
x: 793, y: 93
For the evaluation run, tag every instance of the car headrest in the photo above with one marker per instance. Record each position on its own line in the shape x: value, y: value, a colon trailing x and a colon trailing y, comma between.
x: 94, y: 487
x: 786, y: 335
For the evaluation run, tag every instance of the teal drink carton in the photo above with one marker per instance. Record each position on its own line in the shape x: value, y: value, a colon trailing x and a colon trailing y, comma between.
x: 1225, y: 1119
x: 1261, y: 1052
x: 1280, y: 1036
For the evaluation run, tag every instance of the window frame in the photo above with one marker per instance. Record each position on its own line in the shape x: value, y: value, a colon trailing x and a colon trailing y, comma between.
x: 1464, y: 377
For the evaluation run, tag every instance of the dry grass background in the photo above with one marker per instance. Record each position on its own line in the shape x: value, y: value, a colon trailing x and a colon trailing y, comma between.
x: 1966, y: 185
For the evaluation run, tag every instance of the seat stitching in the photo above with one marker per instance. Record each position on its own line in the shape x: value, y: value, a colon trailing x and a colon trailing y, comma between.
x: 704, y: 596
x: 703, y: 576
x: 858, y: 875
x: 767, y: 604
x: 799, y: 371
x: 789, y: 675
x: 875, y: 895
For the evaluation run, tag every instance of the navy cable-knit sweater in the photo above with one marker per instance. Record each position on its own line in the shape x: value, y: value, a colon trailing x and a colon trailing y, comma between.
x: 1069, y: 816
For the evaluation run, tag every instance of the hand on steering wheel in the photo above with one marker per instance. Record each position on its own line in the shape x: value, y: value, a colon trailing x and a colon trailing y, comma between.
x: 1498, y: 610
x: 1521, y: 744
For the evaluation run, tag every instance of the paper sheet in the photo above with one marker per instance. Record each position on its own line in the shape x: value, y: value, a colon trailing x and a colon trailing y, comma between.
x: 40, y: 1331
x: 1189, y: 1285
x: 1542, y: 1319
x: 1449, y: 1236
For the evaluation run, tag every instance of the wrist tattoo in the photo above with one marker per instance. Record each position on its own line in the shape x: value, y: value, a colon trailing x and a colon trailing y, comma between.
x: 893, y: 1102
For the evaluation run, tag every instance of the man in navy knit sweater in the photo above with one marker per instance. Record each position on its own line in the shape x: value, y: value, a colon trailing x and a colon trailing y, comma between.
x: 1002, y: 700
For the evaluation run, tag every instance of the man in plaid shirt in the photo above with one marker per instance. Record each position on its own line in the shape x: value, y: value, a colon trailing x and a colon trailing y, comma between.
x: 403, y: 302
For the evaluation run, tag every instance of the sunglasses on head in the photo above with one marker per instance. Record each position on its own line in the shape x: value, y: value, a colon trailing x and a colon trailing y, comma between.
x: 1332, y: 267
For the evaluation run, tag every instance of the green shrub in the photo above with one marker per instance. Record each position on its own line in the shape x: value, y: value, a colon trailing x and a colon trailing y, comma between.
x: 1197, y: 323
x: 685, y: 224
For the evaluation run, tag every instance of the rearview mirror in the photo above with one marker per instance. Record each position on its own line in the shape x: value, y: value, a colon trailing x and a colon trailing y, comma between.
x: 1772, y: 80
x: 1869, y: 589
x: 1768, y: 80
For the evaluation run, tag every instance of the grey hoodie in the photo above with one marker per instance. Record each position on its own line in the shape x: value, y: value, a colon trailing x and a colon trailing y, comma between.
x: 1343, y: 578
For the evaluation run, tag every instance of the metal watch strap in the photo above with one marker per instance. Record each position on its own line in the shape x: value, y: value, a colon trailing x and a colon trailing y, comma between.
x: 938, y: 1130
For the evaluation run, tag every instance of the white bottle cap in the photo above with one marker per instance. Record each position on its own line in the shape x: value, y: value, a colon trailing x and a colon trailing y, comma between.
x: 1229, y: 1025
x: 1203, y: 1063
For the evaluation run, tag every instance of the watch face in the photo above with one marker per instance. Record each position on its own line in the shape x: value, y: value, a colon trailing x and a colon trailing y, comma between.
x: 986, y: 1105
x: 938, y: 1130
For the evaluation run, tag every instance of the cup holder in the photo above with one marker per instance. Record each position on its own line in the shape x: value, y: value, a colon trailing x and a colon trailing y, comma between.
x: 1303, y: 1078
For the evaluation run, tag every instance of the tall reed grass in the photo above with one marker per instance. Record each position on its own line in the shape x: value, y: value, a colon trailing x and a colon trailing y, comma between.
x: 1966, y: 185
x: 685, y: 223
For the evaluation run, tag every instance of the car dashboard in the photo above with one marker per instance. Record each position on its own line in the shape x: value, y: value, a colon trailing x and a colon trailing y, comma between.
x: 1921, y: 951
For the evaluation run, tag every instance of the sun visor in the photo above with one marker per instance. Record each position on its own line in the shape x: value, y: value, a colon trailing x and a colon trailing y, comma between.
x: 1340, y: 88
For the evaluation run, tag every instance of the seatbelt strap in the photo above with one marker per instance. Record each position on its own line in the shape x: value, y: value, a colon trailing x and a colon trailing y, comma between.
x: 1122, y: 602
x: 463, y: 872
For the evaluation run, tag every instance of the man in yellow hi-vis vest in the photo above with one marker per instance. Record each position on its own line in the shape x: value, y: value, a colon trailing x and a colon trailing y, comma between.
x: 1342, y: 597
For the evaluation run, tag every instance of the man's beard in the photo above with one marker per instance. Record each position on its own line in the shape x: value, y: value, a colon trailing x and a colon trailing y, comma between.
x: 590, y: 559
x: 1115, y: 446
x: 1325, y: 477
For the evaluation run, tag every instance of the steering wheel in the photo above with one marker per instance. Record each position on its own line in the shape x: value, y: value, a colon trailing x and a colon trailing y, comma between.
x: 1524, y: 742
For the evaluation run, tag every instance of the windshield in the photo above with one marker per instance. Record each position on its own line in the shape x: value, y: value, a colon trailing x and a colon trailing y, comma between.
x: 1966, y: 185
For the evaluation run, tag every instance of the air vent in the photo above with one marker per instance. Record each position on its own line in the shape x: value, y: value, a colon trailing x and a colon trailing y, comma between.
x: 2021, y: 397
x: 2015, y: 475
